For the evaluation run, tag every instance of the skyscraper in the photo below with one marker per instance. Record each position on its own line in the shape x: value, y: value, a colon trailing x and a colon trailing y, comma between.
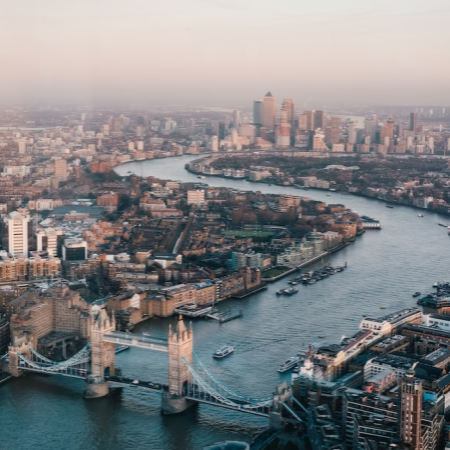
x: 289, y: 105
x: 236, y: 119
x: 257, y: 112
x: 268, y: 111
x: 309, y: 120
x: 333, y: 131
x: 15, y: 233
x: 370, y: 126
x: 351, y: 133
x: 283, y: 138
x: 319, y: 120
x: 412, y: 121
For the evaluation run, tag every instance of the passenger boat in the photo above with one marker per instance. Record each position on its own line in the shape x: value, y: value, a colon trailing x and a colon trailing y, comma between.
x: 416, y: 294
x: 223, y: 351
x: 290, y: 291
x: 321, y: 336
x: 419, y: 215
x: 435, y: 285
x: 289, y: 364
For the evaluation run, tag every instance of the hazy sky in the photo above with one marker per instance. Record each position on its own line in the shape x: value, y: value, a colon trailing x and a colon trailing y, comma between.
x: 361, y: 51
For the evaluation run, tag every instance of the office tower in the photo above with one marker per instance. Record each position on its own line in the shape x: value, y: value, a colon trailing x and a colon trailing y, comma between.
x: 390, y: 128
x: 221, y: 130
x: 61, y: 169
x: 283, y: 138
x: 257, y: 112
x: 289, y: 105
x: 318, y: 141
x: 412, y: 121
x: 309, y: 120
x: 411, y: 409
x: 214, y: 143
x: 74, y: 250
x: 319, y: 120
x: 370, y: 126
x: 236, y: 119
x: 303, y: 122
x: 268, y: 112
x: 234, y: 136
x: 351, y: 133
x: 49, y: 239
x: 333, y: 131
x: 15, y: 233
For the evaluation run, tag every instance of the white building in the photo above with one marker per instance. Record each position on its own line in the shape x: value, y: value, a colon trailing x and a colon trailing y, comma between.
x: 15, y: 233
x: 196, y: 197
x: 47, y: 239
x: 21, y: 171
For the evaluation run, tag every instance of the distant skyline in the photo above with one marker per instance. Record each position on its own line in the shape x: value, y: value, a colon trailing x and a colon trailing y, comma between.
x: 226, y: 51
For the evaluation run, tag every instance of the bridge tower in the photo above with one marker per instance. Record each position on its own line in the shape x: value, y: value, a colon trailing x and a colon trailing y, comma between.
x: 180, y: 346
x: 102, y: 356
x: 24, y: 349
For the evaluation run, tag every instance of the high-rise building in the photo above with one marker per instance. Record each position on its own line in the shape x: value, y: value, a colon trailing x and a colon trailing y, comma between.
x: 351, y: 133
x: 214, y: 143
x: 319, y: 120
x: 413, y: 121
x: 283, y: 135
x: 318, y: 141
x: 49, y: 239
x: 236, y: 119
x: 268, y: 112
x: 61, y: 169
x: 303, y: 122
x: 309, y: 120
x: 15, y: 233
x: 390, y: 128
x: 289, y: 106
x: 411, y: 410
x: 257, y: 112
x: 333, y: 131
x: 370, y: 126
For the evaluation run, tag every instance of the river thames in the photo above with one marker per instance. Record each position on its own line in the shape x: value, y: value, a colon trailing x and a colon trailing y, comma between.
x: 384, y: 269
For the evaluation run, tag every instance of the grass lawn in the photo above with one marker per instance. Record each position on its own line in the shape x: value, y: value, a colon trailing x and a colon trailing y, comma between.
x: 248, y: 233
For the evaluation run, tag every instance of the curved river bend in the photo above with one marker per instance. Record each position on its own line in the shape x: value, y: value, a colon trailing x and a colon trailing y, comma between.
x: 384, y: 269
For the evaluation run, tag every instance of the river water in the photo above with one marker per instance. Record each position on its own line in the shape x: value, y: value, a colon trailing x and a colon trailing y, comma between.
x: 384, y: 269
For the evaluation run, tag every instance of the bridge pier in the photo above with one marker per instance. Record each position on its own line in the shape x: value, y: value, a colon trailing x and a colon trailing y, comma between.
x: 180, y: 346
x: 95, y: 387
x: 173, y: 404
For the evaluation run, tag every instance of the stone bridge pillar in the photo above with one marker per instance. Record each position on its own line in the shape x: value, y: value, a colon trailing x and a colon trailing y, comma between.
x: 24, y: 349
x: 102, y: 356
x: 180, y: 345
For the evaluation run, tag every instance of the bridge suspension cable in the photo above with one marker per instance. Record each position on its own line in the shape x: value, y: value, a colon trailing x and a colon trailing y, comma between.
x: 222, y: 386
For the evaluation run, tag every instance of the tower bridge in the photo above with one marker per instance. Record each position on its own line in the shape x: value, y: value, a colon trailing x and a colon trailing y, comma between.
x: 189, y: 380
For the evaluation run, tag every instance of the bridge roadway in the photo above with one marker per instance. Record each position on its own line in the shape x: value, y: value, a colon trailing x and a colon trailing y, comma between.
x: 118, y: 381
x: 208, y: 399
x: 133, y: 340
